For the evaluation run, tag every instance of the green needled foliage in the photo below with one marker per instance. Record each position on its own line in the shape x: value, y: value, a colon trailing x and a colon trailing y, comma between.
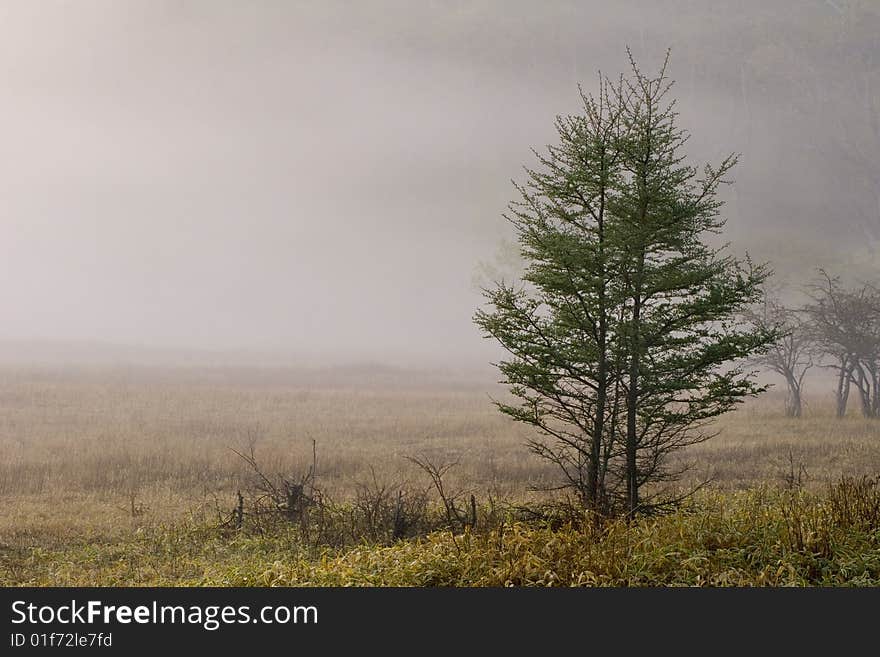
x: 624, y: 334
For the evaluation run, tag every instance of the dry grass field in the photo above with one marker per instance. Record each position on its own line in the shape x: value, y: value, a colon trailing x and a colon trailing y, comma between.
x: 80, y: 449
x: 96, y: 456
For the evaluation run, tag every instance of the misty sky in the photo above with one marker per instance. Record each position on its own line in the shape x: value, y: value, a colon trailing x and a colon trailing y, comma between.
x: 317, y: 178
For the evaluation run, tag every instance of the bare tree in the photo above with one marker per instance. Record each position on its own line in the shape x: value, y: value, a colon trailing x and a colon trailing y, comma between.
x: 846, y: 322
x: 792, y: 355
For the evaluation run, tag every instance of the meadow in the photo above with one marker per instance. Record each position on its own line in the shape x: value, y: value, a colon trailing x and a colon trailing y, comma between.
x: 127, y: 475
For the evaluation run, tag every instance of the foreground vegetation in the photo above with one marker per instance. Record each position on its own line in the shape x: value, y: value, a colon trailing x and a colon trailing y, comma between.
x: 126, y: 477
x: 759, y: 537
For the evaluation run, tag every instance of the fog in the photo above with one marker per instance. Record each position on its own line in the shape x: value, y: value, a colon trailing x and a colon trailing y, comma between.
x: 322, y: 179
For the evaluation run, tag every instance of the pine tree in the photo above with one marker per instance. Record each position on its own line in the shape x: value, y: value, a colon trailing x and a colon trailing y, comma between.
x: 623, y: 335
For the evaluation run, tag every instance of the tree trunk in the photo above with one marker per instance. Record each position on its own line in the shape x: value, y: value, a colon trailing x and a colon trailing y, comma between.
x: 843, y: 383
x: 632, y: 487
x: 874, y: 372
x: 609, y: 445
x: 863, y: 385
x: 593, y: 488
x: 793, y: 405
x: 632, y: 482
x: 594, y: 494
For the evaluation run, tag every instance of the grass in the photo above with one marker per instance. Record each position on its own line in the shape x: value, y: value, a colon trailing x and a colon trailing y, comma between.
x: 760, y: 537
x: 120, y: 476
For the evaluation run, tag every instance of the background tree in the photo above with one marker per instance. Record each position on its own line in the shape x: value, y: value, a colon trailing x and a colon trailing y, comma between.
x: 846, y: 322
x: 623, y: 338
x: 791, y: 356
